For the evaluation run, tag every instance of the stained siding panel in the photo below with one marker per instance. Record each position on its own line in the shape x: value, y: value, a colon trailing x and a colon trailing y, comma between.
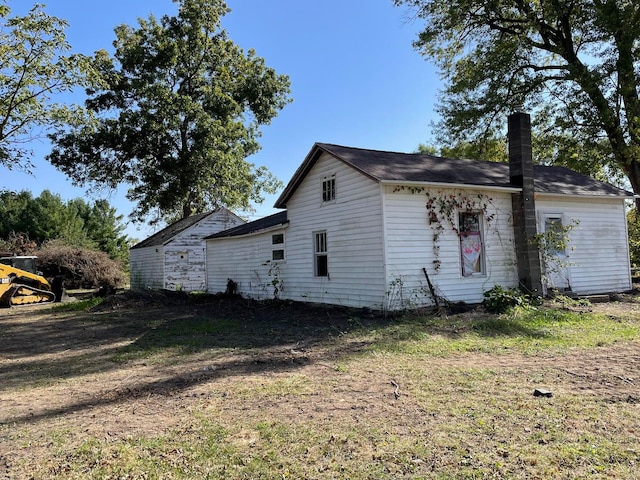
x: 185, y: 254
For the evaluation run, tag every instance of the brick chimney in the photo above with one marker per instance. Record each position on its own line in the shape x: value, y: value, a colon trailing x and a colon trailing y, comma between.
x: 523, y: 203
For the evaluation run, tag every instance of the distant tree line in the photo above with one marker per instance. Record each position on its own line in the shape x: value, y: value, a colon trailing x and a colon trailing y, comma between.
x: 74, y: 222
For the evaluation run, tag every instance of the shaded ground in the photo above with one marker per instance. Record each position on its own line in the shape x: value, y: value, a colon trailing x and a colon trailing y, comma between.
x: 135, y: 374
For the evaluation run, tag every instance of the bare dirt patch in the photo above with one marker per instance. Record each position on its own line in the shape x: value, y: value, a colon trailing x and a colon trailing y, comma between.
x: 124, y: 370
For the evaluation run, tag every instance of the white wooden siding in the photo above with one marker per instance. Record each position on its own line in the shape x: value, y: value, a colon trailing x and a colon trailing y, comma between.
x: 185, y: 254
x: 146, y: 268
x: 410, y: 248
x: 247, y: 261
x: 179, y: 264
x: 353, y: 223
x: 598, y: 248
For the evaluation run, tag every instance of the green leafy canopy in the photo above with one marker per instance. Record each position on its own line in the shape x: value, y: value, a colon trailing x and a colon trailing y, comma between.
x: 33, y: 71
x: 178, y: 114
x: 574, y: 64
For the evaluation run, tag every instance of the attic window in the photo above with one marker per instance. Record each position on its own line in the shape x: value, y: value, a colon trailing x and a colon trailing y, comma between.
x: 471, y: 251
x: 329, y: 188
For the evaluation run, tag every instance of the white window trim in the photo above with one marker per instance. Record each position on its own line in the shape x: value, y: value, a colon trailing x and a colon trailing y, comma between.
x: 279, y: 246
x: 317, y: 253
x: 483, y: 263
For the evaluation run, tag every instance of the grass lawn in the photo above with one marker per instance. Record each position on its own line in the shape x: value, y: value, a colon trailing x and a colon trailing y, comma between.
x: 228, y: 388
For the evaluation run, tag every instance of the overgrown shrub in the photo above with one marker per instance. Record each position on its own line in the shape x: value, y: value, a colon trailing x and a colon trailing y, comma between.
x: 500, y: 299
x: 81, y: 267
x: 18, y: 244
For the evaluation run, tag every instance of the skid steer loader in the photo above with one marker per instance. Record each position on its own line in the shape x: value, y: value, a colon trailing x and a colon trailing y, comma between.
x: 22, y: 284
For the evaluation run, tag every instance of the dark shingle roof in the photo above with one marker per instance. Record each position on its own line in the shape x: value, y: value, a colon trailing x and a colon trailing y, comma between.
x: 167, y: 233
x: 383, y: 166
x: 274, y: 220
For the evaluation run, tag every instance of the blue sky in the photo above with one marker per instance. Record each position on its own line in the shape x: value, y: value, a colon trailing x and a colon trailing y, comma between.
x: 355, y: 79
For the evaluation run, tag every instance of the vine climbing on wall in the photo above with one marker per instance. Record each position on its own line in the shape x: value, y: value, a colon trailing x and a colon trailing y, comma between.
x: 443, y: 208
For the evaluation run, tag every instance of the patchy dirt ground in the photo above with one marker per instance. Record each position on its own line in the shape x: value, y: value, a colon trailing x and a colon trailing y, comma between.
x: 107, y: 380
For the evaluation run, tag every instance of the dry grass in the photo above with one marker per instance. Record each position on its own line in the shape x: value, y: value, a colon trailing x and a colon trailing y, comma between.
x: 234, y: 389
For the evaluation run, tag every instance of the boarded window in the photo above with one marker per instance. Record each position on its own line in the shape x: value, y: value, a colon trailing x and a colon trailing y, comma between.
x: 321, y: 268
x: 471, y: 251
x: 329, y: 188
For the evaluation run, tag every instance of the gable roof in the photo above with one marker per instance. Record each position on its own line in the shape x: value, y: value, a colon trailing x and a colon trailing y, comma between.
x: 390, y: 167
x: 167, y: 233
x: 261, y: 224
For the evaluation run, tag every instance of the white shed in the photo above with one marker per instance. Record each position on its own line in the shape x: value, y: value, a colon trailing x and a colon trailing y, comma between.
x: 174, y: 258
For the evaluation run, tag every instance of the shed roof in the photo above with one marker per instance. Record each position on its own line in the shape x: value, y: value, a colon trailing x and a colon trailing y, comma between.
x: 265, y: 223
x: 167, y: 233
x: 389, y: 167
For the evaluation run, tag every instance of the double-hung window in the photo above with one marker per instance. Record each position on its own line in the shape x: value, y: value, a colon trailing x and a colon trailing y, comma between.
x: 321, y: 261
x: 471, y: 249
x: 277, y: 247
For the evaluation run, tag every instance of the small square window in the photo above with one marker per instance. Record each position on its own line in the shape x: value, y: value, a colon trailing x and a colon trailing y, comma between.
x: 329, y: 188
x: 277, y: 255
x: 277, y: 239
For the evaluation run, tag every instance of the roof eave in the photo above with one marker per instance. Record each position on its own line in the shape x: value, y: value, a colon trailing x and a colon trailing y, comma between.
x: 279, y: 226
x: 302, y: 171
x: 298, y: 176
x: 592, y: 195
x: 452, y: 185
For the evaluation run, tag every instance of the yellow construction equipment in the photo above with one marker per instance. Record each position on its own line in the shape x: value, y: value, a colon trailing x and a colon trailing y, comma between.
x: 22, y: 284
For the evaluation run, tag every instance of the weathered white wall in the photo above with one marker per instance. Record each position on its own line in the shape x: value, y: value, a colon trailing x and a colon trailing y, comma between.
x: 599, y: 248
x: 246, y: 261
x: 410, y: 248
x: 353, y: 223
x: 185, y: 254
x: 146, y: 268
x: 179, y: 264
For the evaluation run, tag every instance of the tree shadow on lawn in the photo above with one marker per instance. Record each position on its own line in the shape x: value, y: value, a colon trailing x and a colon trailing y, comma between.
x: 237, y: 336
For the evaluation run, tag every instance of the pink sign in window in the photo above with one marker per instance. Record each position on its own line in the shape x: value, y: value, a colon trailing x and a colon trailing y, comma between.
x: 471, y: 250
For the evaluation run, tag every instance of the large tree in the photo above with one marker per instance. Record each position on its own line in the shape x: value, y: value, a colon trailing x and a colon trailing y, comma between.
x: 34, y: 69
x: 574, y: 64
x: 178, y: 115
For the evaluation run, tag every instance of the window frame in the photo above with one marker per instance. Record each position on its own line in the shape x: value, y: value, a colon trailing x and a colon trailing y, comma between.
x: 279, y: 242
x: 558, y: 221
x: 320, y: 251
x: 329, y: 188
x: 466, y: 240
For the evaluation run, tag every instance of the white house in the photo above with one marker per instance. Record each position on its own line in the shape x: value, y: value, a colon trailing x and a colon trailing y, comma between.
x: 174, y: 258
x: 366, y: 228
